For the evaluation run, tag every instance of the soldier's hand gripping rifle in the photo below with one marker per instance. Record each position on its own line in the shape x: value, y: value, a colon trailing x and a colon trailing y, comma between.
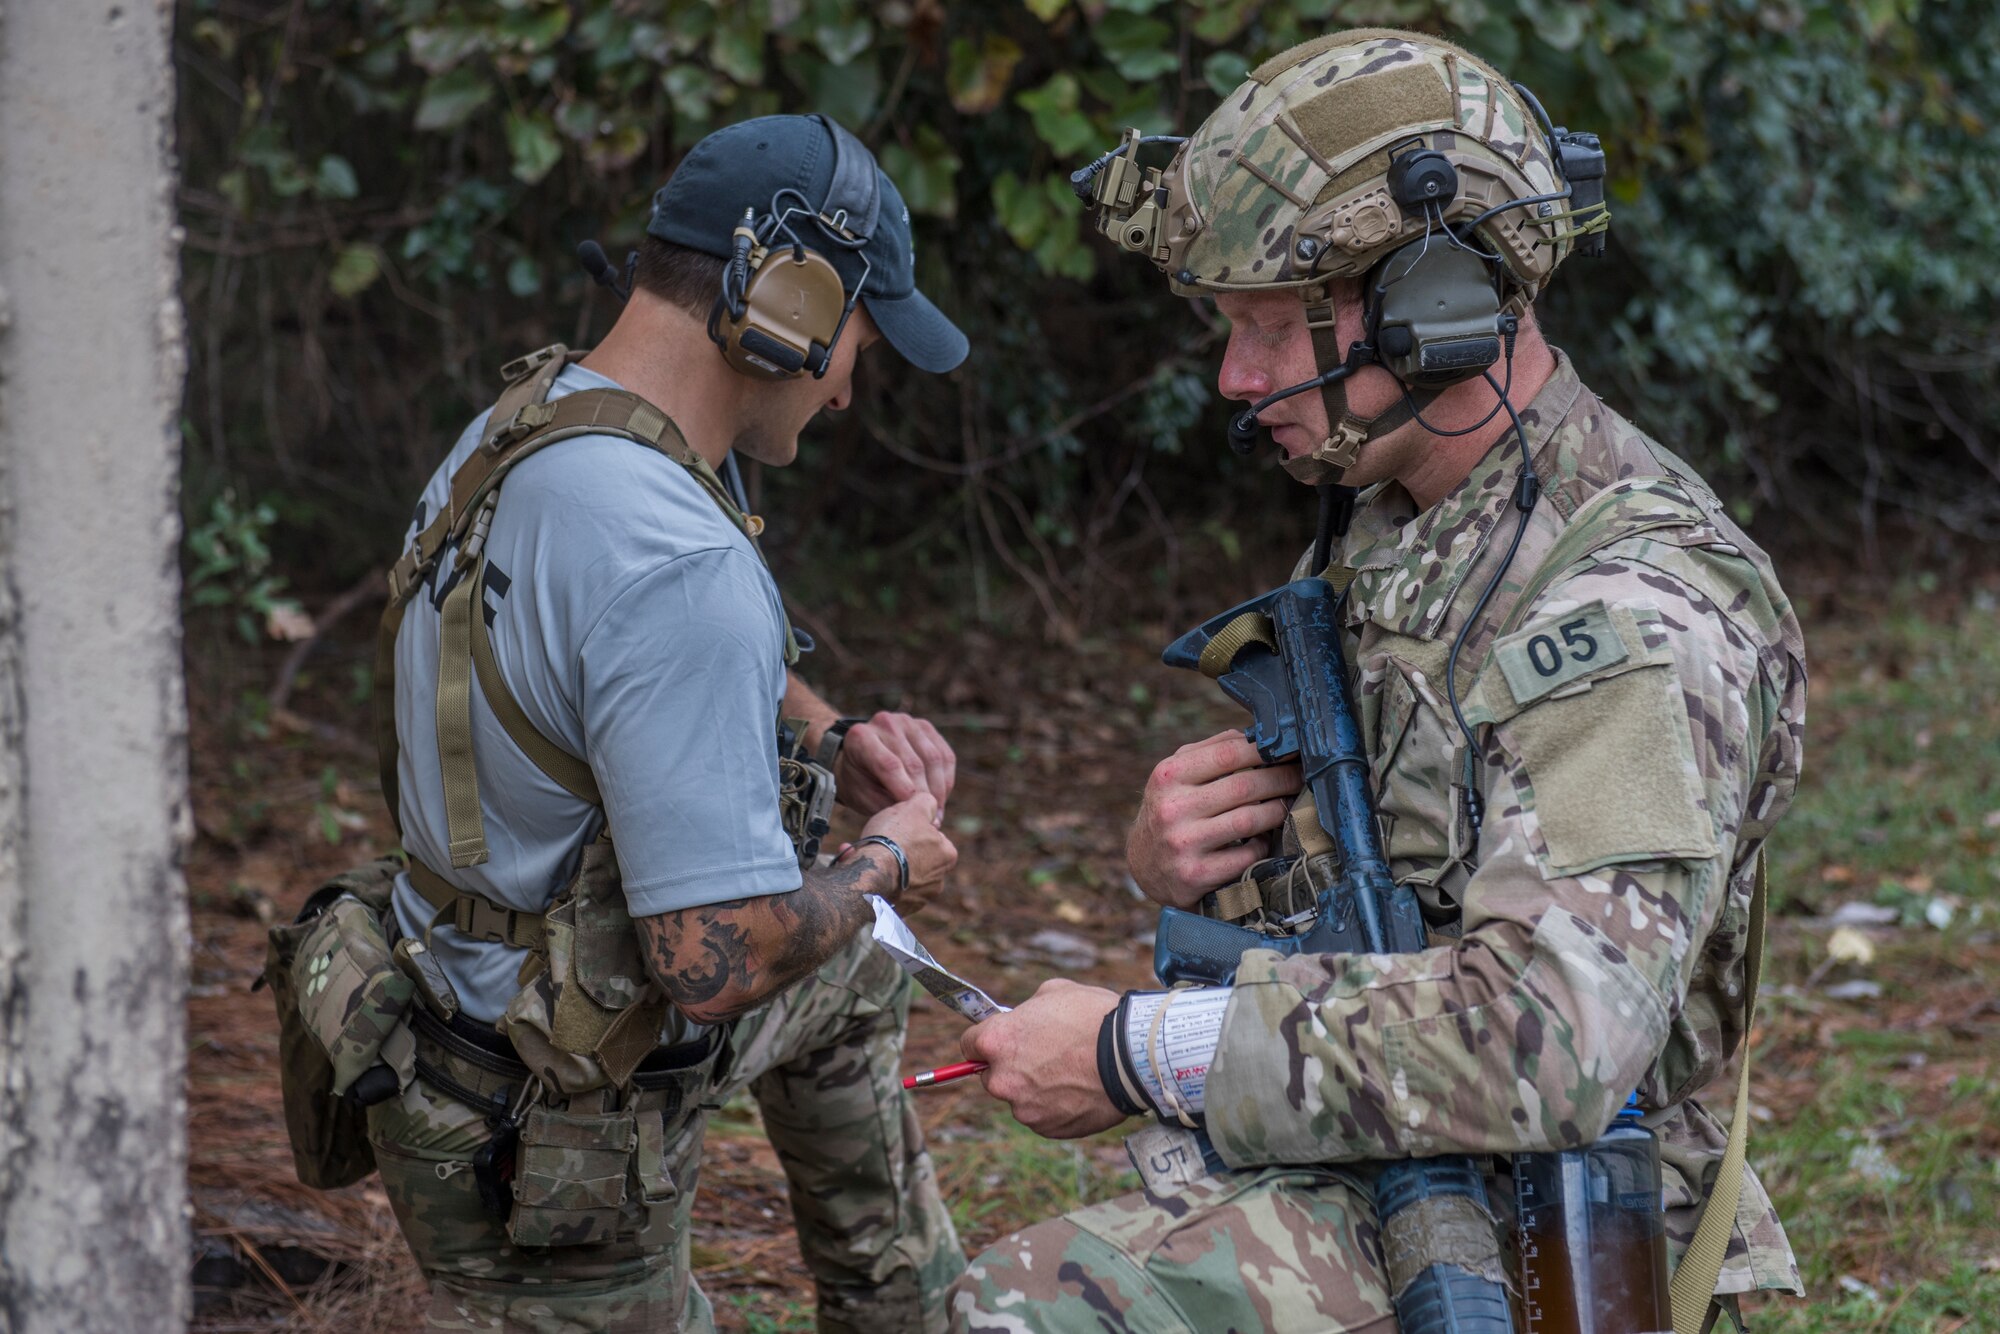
x: 1280, y: 656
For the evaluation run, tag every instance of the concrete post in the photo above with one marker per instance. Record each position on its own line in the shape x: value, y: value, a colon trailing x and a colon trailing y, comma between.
x: 93, y: 773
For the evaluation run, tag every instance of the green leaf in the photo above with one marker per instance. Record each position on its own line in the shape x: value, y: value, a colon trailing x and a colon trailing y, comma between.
x: 1040, y: 218
x: 1225, y: 71
x: 1046, y: 10
x: 691, y: 89
x: 978, y: 73
x: 535, y: 147
x: 687, y: 27
x: 1223, y: 19
x: 1053, y: 108
x: 1138, y: 48
x: 1061, y: 251
x: 449, y: 99
x: 1022, y: 211
x: 843, y: 40
x: 848, y: 93
x: 925, y: 172
x: 234, y: 185
x: 737, y: 48
x: 524, y: 276
x: 335, y: 178
x: 354, y: 269
x: 535, y: 30
x: 1133, y: 6
x: 437, y: 49
x: 618, y: 149
x: 217, y: 35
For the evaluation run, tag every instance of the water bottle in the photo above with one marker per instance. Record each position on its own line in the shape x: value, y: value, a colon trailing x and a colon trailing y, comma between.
x: 1591, y: 1235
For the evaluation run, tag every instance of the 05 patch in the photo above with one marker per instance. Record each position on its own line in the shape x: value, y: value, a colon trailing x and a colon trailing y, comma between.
x: 1561, y: 649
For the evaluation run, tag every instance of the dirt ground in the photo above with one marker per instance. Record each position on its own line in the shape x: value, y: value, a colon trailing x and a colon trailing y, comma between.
x: 1054, y: 745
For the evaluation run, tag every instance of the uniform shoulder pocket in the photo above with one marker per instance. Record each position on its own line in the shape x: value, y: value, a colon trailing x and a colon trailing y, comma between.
x: 1591, y: 702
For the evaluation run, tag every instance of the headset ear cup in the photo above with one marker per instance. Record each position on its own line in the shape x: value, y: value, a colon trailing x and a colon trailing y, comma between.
x: 1437, y: 321
x: 790, y: 309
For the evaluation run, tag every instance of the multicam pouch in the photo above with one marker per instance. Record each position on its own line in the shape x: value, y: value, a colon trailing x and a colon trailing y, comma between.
x: 593, y: 1014
x: 350, y: 993
x: 569, y: 1178
x: 329, y: 1133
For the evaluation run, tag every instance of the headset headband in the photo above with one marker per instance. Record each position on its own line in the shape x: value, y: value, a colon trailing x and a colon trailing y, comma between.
x: 854, y: 195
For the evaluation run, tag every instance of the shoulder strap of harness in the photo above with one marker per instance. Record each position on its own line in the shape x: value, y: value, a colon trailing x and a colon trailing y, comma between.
x: 522, y: 422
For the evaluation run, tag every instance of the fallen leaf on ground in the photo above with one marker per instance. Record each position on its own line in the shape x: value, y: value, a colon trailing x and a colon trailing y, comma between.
x: 1846, y: 945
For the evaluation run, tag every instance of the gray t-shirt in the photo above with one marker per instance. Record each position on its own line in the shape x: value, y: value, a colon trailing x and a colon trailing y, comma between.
x: 638, y: 629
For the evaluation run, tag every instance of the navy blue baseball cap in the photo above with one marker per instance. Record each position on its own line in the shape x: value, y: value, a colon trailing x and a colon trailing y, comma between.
x: 749, y: 164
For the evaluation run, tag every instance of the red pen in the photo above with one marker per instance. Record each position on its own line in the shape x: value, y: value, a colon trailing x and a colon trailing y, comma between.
x: 944, y: 1074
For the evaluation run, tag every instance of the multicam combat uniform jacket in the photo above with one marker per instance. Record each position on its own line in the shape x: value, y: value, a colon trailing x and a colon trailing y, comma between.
x: 1600, y: 920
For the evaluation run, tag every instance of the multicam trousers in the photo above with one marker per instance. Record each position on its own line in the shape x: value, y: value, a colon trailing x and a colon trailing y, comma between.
x: 822, y: 1061
x: 1280, y: 1250
x: 1275, y: 1250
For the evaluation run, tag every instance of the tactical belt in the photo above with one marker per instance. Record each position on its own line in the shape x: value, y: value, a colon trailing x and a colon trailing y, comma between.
x: 480, y: 1068
x: 475, y: 915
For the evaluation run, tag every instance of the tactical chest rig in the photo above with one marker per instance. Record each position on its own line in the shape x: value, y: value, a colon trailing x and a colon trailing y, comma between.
x: 588, y: 1012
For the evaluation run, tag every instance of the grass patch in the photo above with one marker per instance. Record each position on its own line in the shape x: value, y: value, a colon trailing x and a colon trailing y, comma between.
x: 1901, y: 795
x: 1005, y: 1177
x: 1883, y: 1150
x: 754, y: 1315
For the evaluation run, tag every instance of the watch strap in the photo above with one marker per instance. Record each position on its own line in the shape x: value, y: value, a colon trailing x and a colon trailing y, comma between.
x: 831, y: 740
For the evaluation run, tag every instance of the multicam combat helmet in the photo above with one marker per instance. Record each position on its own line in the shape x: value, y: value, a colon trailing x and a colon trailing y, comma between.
x: 1287, y: 183
x: 1335, y: 155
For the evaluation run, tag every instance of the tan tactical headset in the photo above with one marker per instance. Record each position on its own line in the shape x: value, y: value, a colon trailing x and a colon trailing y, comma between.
x: 783, y: 306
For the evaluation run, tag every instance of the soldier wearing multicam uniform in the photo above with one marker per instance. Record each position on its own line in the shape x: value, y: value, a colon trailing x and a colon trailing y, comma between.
x: 1636, y: 685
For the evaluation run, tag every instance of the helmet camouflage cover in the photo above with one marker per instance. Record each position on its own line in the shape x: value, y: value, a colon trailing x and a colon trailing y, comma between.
x: 1286, y: 184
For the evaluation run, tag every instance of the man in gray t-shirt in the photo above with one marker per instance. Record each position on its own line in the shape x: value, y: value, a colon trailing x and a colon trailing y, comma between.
x: 634, y: 625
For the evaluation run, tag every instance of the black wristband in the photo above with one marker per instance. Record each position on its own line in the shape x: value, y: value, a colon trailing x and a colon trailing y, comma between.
x: 1108, y: 1063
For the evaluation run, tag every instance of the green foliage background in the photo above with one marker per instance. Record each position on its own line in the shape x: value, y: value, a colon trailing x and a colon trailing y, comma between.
x: 382, y: 197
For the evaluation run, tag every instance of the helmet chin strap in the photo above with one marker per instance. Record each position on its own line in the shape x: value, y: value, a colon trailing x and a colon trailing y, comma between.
x: 1332, y: 457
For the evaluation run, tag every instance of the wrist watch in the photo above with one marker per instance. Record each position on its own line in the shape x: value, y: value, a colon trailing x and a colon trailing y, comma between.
x: 831, y: 740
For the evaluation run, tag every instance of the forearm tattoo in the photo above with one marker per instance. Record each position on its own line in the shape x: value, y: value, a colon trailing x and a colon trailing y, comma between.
x: 719, y: 960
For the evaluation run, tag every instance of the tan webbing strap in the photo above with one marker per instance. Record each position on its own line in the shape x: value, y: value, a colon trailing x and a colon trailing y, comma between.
x: 1701, y: 1264
x: 1252, y: 627
x: 1237, y: 899
x: 531, y: 425
x: 522, y: 423
x: 464, y: 824
x: 384, y: 689
x: 1303, y: 818
x: 476, y: 915
x: 566, y: 769
x: 474, y: 496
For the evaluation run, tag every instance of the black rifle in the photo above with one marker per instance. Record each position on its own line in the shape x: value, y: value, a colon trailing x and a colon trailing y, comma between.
x: 1280, y: 656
